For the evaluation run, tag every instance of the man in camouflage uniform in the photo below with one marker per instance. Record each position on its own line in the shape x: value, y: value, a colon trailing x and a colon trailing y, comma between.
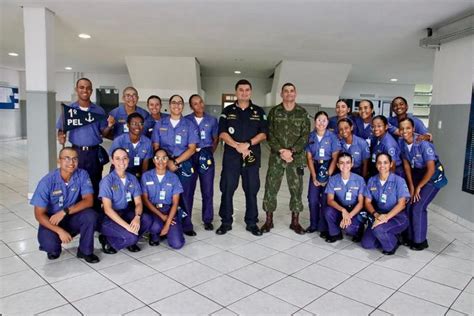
x: 289, y: 127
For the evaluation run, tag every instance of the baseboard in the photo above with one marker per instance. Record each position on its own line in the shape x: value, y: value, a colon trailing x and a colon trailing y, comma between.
x: 451, y: 216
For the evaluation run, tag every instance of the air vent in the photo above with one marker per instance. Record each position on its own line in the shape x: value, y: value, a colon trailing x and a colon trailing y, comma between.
x: 367, y: 95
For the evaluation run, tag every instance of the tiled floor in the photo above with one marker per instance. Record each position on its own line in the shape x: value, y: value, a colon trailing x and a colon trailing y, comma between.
x: 279, y: 273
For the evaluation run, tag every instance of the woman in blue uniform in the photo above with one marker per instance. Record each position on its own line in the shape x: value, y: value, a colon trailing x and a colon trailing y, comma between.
x: 345, y: 194
x: 137, y: 145
x: 355, y: 146
x: 386, y: 195
x: 383, y: 142
x: 153, y: 103
x: 425, y: 176
x: 321, y: 153
x: 363, y: 122
x: 343, y: 110
x: 179, y: 137
x: 161, y: 190
x: 125, y: 221
x: 399, y: 106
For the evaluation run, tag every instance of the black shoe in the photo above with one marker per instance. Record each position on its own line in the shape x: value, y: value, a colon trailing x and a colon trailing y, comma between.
x: 331, y: 239
x: 223, y: 229
x: 133, y: 248
x: 324, y: 235
x: 254, y: 230
x: 190, y: 233
x: 310, y: 229
x: 208, y: 226
x: 154, y: 243
x: 419, y: 246
x: 357, y: 238
x: 53, y: 256
x: 403, y: 240
x: 89, y: 258
x: 106, y: 247
x: 391, y: 252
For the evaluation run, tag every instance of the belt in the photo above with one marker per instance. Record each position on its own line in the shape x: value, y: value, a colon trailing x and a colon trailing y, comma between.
x: 85, y: 148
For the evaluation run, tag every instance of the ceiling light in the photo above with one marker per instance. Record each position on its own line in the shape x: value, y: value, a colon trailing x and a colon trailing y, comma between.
x: 394, y: 80
x: 13, y: 54
x: 68, y: 68
x: 84, y: 35
x: 237, y: 72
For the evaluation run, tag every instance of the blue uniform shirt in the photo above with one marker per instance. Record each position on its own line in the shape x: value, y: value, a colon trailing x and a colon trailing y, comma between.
x: 386, y: 196
x: 323, y: 150
x: 150, y: 125
x: 420, y: 127
x: 346, y: 194
x: 387, y: 144
x: 54, y: 194
x: 161, y: 192
x: 112, y: 187
x: 420, y: 153
x: 87, y: 135
x: 175, y: 140
x: 359, y: 150
x: 137, y: 154
x: 362, y: 129
x: 207, y: 129
x: 120, y: 115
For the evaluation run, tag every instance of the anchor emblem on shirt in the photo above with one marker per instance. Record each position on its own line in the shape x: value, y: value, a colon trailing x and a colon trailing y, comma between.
x: 89, y: 118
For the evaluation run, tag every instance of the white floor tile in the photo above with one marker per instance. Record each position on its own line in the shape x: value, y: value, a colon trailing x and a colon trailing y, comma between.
x: 225, y: 262
x: 165, y: 260
x: 253, y: 251
x: 192, y: 274
x: 18, y: 282
x: 464, y: 303
x: 40, y: 258
x: 143, y: 311
x: 384, y: 276
x: 337, y: 305
x: 320, y: 242
x: 308, y: 252
x: 470, y: 287
x: 63, y: 270
x: 264, y: 303
x: 343, y: 263
x: 403, y: 304
x: 452, y: 312
x: 257, y: 275
x: 225, y: 290
x: 321, y: 276
x: 277, y: 242
x: 401, y: 264
x: 24, y: 246
x: 30, y: 302
x: 364, y: 291
x: 107, y: 260
x: 10, y: 265
x: 453, y: 263
x: 295, y: 291
x: 195, y: 304
x: 127, y: 272
x: 356, y: 251
x: 154, y: 288
x: 198, y: 250
x: 18, y: 234
x: 226, y: 241
x: 67, y: 309
x: 82, y: 286
x: 430, y: 291
x: 224, y: 312
x: 460, y: 250
x: 115, y: 301
x: 285, y: 263
x: 444, y: 276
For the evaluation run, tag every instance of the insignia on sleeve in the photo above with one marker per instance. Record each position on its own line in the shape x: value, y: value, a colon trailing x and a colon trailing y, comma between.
x: 391, y: 151
x: 231, y: 130
x: 223, y: 115
x: 430, y: 151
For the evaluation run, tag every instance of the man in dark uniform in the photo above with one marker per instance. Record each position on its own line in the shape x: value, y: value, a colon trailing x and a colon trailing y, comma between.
x: 86, y: 140
x: 242, y: 126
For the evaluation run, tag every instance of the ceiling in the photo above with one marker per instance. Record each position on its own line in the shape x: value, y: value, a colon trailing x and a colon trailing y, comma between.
x: 378, y: 37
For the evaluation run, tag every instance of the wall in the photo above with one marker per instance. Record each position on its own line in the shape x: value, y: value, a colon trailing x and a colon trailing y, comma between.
x: 353, y: 90
x: 452, y: 89
x: 10, y: 120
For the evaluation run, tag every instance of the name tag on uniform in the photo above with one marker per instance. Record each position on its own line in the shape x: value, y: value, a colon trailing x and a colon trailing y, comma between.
x: 337, y: 189
x: 374, y: 157
x: 136, y: 161
x: 348, y: 196
x: 383, y: 198
x: 203, y: 134
x: 57, y: 192
x: 128, y: 196
x: 149, y: 183
x: 159, y: 205
x: 321, y: 152
x: 368, y: 141
x: 125, y: 128
x: 162, y: 195
x: 61, y: 201
x: 177, y: 139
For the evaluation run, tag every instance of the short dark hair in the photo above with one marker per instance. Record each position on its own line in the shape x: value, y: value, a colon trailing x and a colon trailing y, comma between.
x: 160, y: 149
x: 134, y: 115
x: 85, y: 79
x: 346, y: 120
x: 342, y: 155
x: 153, y: 97
x: 321, y: 113
x: 383, y: 154
x: 192, y: 96
x: 368, y: 101
x: 407, y: 119
x: 117, y: 149
x: 243, y: 82
x: 288, y: 84
x: 401, y: 98
x: 68, y: 148
x: 382, y: 118
x: 349, y: 105
x: 176, y: 95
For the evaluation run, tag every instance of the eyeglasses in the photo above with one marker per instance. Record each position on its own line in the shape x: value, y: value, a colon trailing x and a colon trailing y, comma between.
x: 164, y: 158
x: 130, y: 96
x: 70, y: 159
x: 176, y: 103
x: 136, y: 124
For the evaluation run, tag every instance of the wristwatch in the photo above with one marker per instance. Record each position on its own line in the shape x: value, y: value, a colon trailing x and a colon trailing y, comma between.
x: 66, y: 211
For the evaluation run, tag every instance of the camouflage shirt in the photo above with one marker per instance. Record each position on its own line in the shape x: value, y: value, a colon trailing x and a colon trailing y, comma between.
x: 289, y: 130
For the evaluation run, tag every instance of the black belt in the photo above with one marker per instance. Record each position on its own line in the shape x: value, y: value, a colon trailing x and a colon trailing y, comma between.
x: 85, y: 148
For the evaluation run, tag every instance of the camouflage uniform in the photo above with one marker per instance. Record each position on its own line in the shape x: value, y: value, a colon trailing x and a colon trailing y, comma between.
x: 288, y: 130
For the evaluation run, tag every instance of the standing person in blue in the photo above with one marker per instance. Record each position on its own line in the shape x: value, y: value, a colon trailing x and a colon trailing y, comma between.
x: 345, y: 193
x: 242, y: 126
x: 383, y: 142
x: 399, y: 106
x: 161, y: 189
x: 87, y: 139
x: 321, y: 153
x: 153, y: 103
x: 203, y: 159
x: 125, y: 221
x: 355, y: 146
x: 63, y: 203
x: 363, y: 122
x: 118, y: 116
x: 138, y: 146
x: 425, y: 177
x: 386, y: 196
x: 343, y: 110
x: 179, y: 137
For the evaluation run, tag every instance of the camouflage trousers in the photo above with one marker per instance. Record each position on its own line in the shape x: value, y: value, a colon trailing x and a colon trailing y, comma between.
x: 276, y: 170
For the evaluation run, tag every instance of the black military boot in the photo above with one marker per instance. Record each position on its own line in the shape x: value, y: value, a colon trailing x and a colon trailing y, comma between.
x: 295, y: 224
x: 268, y: 223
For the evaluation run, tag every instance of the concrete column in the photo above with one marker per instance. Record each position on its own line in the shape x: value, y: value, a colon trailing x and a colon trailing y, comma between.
x: 40, y: 96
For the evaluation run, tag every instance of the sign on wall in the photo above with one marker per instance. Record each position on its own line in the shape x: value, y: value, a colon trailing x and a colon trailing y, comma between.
x: 9, y: 98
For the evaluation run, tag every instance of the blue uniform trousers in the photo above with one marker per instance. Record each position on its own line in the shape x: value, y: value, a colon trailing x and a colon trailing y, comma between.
x: 89, y: 161
x: 185, y: 200
x: 175, y: 235
x: 206, y: 181
x: 117, y: 236
x: 317, y: 201
x: 385, y: 235
x: 334, y: 217
x: 82, y: 223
